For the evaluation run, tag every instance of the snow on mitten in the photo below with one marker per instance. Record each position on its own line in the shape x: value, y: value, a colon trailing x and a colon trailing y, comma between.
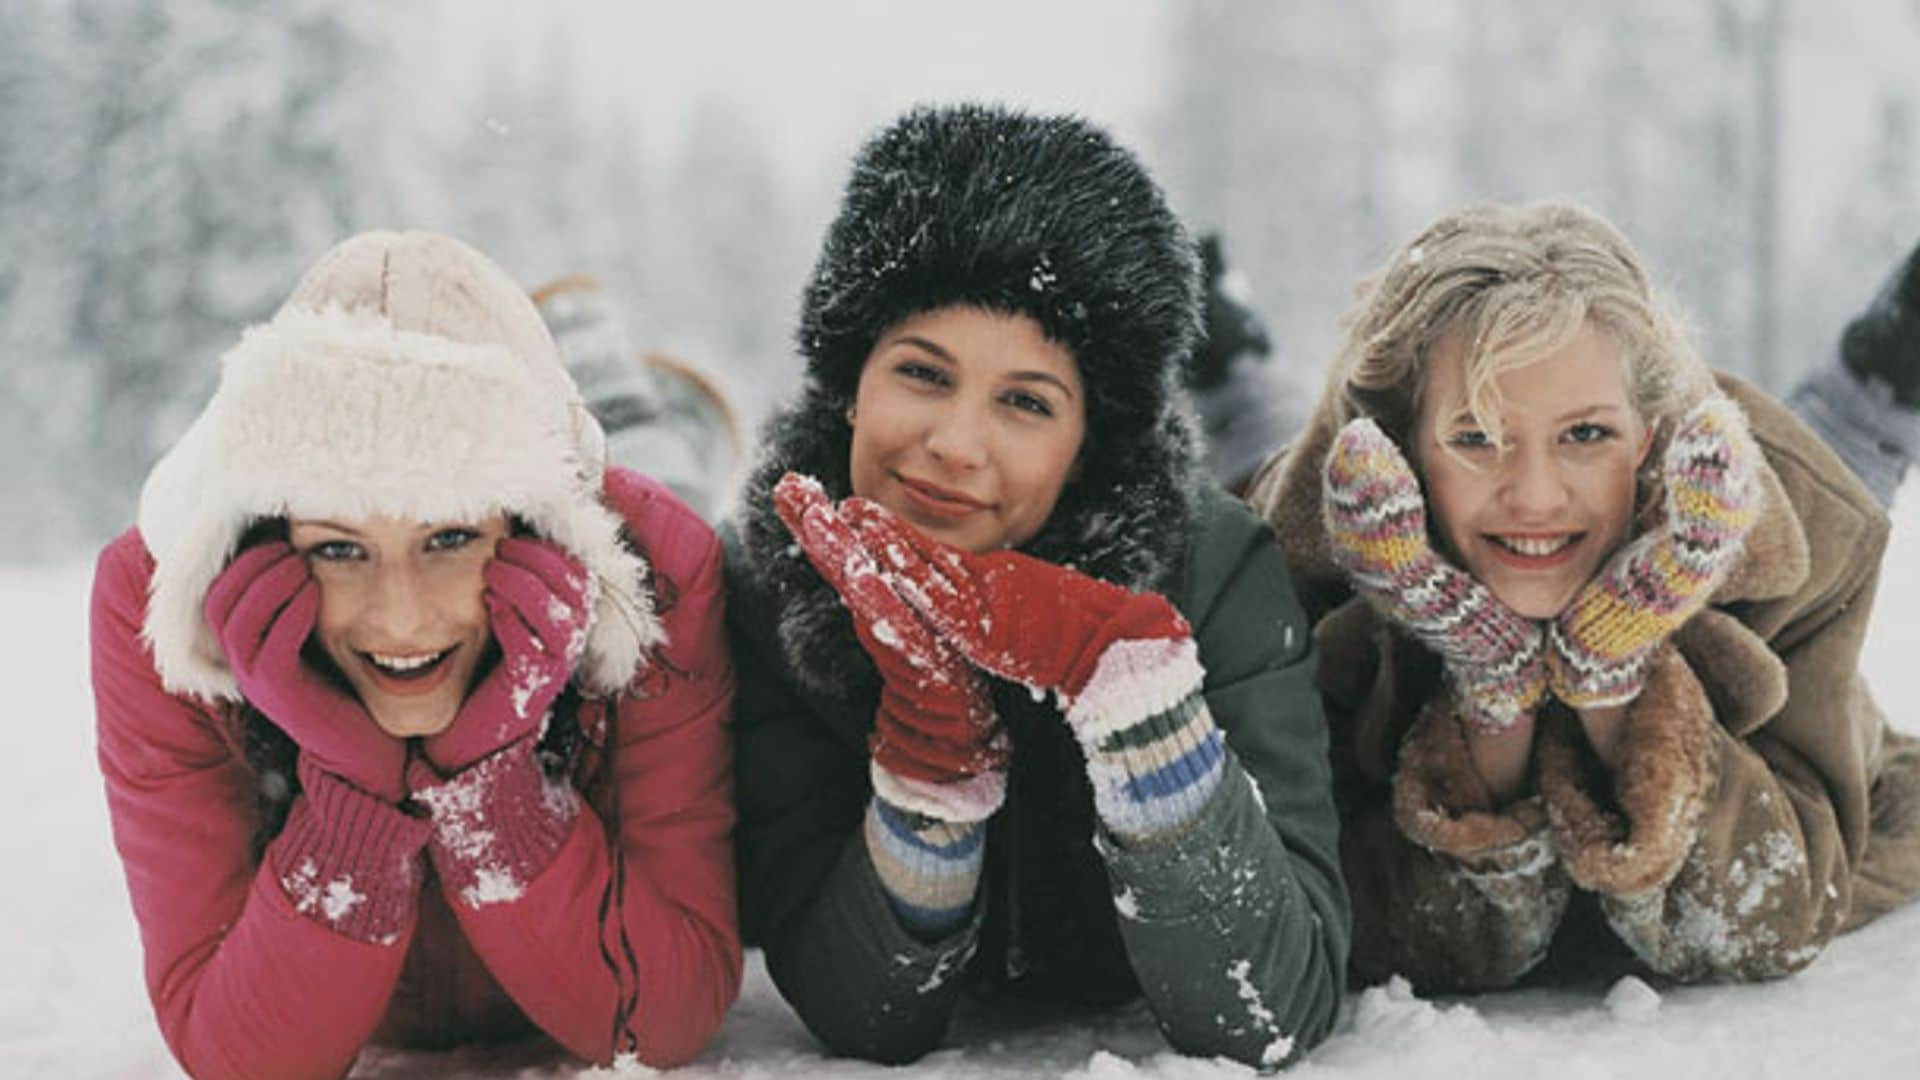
x: 937, y: 748
x: 1601, y: 642
x: 1376, y: 520
x: 1123, y: 664
x: 540, y: 606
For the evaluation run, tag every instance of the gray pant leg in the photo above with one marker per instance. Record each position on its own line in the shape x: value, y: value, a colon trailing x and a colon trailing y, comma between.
x: 1859, y: 419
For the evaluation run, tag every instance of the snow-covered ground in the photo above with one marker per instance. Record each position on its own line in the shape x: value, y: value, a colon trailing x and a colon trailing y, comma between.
x: 71, y: 1002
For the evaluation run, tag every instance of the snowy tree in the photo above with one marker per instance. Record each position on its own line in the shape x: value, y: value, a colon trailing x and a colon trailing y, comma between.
x: 1276, y: 134
x: 208, y: 149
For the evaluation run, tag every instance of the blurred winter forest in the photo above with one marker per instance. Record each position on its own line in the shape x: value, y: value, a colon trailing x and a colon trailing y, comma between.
x: 168, y: 167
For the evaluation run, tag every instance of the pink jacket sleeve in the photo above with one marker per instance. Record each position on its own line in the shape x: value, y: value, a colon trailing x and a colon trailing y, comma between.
x: 242, y: 984
x: 674, y: 950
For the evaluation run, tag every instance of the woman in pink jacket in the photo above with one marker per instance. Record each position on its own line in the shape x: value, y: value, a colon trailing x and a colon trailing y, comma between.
x: 412, y: 714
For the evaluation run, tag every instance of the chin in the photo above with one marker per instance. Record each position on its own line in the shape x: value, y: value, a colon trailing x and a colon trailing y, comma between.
x: 412, y: 725
x: 1535, y: 604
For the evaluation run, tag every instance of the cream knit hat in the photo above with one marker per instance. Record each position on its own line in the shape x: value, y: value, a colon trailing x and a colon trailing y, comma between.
x: 406, y: 376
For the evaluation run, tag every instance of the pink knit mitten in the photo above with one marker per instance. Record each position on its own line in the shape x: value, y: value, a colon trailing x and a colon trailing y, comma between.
x: 1376, y: 521
x: 1654, y: 584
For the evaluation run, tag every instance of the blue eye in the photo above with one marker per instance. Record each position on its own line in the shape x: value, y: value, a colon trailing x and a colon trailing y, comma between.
x: 1589, y: 433
x: 452, y: 539
x: 1470, y: 439
x: 336, y: 551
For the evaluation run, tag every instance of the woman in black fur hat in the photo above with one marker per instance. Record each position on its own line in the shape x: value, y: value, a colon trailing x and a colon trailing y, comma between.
x: 1024, y: 704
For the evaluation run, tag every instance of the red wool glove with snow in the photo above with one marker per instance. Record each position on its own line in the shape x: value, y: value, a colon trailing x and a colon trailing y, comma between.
x: 936, y: 747
x: 540, y: 606
x: 1123, y: 664
x: 262, y: 609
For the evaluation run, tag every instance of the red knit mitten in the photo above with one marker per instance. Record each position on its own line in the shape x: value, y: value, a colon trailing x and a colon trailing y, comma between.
x: 1124, y: 664
x: 937, y: 748
x: 1012, y: 615
x: 1654, y: 584
x: 1376, y: 519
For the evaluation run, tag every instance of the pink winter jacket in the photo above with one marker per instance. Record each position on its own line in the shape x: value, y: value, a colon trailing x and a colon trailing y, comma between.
x: 244, y: 984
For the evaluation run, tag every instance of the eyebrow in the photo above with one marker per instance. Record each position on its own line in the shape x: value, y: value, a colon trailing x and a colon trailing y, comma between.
x: 1017, y: 376
x: 323, y: 523
x: 1588, y: 410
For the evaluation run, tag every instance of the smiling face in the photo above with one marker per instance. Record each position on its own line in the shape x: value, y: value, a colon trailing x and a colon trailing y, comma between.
x: 967, y: 424
x: 1533, y: 518
x: 401, y: 614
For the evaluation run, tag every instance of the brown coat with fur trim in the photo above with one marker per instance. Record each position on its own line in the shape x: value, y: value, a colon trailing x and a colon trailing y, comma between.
x: 1761, y: 804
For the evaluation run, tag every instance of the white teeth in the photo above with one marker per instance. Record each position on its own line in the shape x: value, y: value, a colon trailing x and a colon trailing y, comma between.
x: 1535, y: 546
x: 404, y: 663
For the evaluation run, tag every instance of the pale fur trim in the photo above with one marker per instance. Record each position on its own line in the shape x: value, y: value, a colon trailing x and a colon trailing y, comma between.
x: 330, y: 414
x: 956, y: 802
x: 1134, y: 680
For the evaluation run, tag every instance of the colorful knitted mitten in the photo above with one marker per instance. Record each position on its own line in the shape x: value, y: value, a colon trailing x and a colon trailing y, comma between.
x: 1376, y: 520
x: 1123, y: 664
x: 1657, y: 582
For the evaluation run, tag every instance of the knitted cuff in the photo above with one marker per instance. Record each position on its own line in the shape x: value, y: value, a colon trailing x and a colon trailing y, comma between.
x: 1875, y: 435
x: 928, y: 869
x: 1494, y: 696
x: 961, y: 802
x: 1153, y: 753
x: 496, y: 824
x: 1441, y: 803
x: 348, y: 860
x: 1627, y: 834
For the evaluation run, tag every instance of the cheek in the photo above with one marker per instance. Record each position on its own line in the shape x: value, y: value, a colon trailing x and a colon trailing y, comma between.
x: 342, y: 598
x: 1614, y: 491
x: 458, y: 589
x: 1451, y: 494
x: 881, y: 432
x: 1038, y: 474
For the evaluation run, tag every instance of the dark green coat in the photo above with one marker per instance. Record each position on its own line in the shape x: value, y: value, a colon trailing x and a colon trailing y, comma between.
x: 1235, y: 929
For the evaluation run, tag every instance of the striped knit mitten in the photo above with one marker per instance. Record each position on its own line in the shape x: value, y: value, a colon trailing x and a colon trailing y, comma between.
x: 1376, y: 521
x: 1123, y: 665
x: 1654, y: 584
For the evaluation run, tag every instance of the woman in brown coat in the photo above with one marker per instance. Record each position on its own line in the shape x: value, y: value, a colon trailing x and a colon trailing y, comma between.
x: 1589, y: 619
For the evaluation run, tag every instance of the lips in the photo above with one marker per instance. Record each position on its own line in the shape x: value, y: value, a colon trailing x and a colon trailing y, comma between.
x: 406, y: 674
x: 937, y: 501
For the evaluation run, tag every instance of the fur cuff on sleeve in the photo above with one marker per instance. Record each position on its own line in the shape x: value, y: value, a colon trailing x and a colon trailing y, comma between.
x: 1632, y: 839
x: 1441, y: 803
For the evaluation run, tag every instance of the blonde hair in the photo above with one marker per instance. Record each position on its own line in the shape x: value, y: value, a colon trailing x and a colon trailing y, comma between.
x: 1516, y: 283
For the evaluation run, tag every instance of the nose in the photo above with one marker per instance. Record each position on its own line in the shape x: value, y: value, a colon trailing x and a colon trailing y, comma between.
x: 957, y: 436
x: 397, y: 608
x: 1534, y: 487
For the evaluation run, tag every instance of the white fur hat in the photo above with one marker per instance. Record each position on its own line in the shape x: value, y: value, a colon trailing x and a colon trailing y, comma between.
x: 406, y: 376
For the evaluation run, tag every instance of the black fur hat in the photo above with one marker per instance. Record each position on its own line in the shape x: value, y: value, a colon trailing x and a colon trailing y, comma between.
x: 1043, y: 216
